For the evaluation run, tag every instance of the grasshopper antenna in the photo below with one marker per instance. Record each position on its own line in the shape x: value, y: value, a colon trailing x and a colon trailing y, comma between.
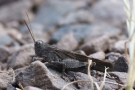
x: 30, y: 29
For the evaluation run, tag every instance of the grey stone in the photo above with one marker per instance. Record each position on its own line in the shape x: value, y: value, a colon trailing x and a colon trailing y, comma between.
x: 121, y: 65
x: 68, y: 42
x: 38, y: 75
x: 22, y: 57
x: 6, y: 78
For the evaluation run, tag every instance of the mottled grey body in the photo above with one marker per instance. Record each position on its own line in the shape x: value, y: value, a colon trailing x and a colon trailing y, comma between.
x: 63, y: 58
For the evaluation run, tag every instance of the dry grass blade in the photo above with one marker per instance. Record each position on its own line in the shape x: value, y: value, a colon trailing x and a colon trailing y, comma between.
x: 20, y: 85
x: 131, y: 32
x: 90, y: 77
x: 97, y: 86
x: 102, y: 84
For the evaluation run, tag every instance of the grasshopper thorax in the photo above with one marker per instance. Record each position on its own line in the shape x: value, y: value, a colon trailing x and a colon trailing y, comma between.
x: 39, y: 47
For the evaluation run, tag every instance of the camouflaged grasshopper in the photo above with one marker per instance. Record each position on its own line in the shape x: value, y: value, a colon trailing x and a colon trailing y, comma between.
x: 63, y: 58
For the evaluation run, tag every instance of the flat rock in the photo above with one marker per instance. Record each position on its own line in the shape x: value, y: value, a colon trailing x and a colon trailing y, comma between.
x: 6, y: 78
x: 98, y: 55
x: 102, y: 12
x: 121, y: 65
x: 22, y: 57
x: 4, y: 53
x: 31, y: 88
x: 38, y: 75
x: 121, y: 77
x: 50, y: 11
x: 68, y: 42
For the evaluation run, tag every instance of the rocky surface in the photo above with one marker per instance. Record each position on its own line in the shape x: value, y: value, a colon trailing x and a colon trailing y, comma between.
x: 6, y: 78
x: 95, y: 28
x: 37, y: 74
x: 21, y: 58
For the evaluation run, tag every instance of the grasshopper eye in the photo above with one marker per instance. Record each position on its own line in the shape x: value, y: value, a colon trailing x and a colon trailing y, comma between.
x: 39, y: 42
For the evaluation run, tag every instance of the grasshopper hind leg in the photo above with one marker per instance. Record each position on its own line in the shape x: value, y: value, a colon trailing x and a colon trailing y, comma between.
x: 63, y: 66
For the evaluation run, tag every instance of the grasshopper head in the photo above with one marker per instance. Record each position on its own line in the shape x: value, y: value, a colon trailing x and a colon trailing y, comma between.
x: 39, y: 47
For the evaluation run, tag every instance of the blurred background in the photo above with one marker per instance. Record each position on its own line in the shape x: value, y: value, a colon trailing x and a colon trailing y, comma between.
x: 68, y: 24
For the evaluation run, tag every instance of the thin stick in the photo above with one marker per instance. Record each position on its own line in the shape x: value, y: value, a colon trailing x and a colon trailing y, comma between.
x: 30, y: 32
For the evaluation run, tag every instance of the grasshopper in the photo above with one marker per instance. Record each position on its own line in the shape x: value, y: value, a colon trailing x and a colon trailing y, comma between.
x: 60, y: 58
